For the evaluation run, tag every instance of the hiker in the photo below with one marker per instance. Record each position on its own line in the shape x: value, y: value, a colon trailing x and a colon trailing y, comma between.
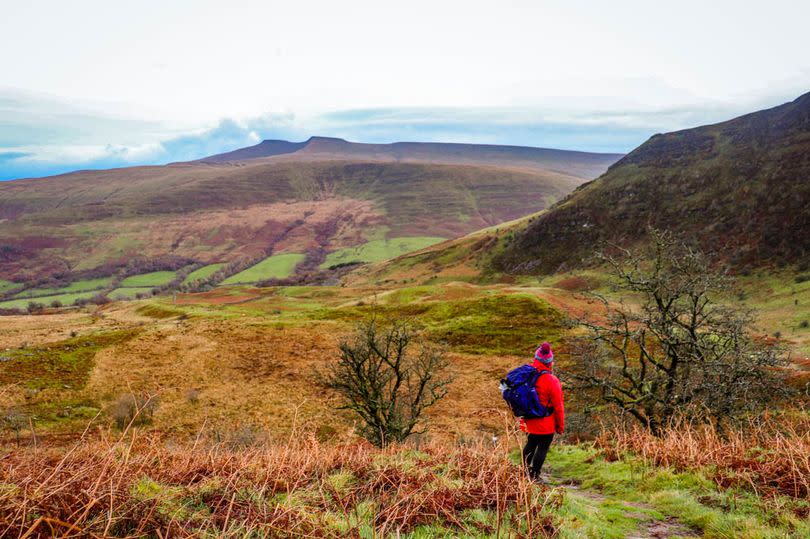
x: 541, y: 430
x: 535, y: 396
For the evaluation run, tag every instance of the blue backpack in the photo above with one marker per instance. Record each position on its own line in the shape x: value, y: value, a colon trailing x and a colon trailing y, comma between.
x: 520, y: 392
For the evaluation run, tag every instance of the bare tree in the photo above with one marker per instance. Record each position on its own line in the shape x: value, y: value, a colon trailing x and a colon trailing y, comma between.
x: 389, y: 377
x: 676, y: 348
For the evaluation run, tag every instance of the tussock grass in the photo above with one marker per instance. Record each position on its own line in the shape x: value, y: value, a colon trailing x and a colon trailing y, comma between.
x: 141, y: 486
x: 769, y: 457
x: 687, y: 498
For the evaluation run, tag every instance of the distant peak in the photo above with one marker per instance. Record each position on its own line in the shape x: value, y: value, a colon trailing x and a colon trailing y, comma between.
x: 326, y: 139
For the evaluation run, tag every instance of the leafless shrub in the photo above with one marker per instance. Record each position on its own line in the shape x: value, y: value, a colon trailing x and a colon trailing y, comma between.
x: 35, y: 308
x: 13, y: 420
x: 388, y: 377
x: 130, y: 409
x: 680, y: 351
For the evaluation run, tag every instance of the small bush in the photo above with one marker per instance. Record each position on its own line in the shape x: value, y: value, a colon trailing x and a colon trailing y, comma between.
x: 804, y: 324
x: 802, y: 278
x: 131, y: 409
x: 99, y: 299
x: 193, y: 396
x: 13, y: 420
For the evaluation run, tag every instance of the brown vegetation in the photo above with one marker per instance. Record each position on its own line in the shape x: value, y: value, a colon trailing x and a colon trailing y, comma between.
x: 143, y: 487
x: 769, y: 454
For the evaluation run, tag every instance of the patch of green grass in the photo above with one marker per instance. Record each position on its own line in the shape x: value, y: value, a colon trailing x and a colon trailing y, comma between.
x: 597, y: 519
x: 6, y: 286
x: 202, y: 273
x: 379, y: 250
x: 409, y: 295
x: 154, y: 310
x: 149, y: 280
x: 62, y: 365
x: 171, y: 502
x: 689, y: 497
x: 495, y: 324
x: 64, y: 299
x: 85, y: 285
x: 69, y: 412
x: 278, y: 266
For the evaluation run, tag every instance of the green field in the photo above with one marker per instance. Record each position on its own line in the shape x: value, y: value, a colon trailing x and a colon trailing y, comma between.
x: 379, y: 250
x: 128, y: 292
x: 272, y: 267
x: 149, y: 280
x: 202, y: 273
x: 7, y: 285
x: 85, y: 285
x: 64, y: 299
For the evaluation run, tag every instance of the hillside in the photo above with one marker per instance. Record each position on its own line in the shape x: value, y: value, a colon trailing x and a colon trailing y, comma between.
x: 237, y: 429
x: 740, y: 188
x: 323, y: 200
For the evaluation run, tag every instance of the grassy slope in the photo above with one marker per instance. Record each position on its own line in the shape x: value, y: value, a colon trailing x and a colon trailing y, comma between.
x: 218, y: 213
x: 5, y: 286
x: 84, y: 285
x: 64, y: 299
x: 249, y: 355
x: 738, y: 188
x: 466, y: 259
x: 379, y: 250
x: 630, y: 491
x: 202, y: 273
x: 278, y: 266
x: 152, y: 279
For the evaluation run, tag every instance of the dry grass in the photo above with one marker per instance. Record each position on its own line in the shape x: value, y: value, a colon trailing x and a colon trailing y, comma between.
x: 768, y: 455
x: 143, y: 486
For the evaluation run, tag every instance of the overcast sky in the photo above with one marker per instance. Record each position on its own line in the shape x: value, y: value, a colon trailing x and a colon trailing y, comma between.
x: 101, y: 83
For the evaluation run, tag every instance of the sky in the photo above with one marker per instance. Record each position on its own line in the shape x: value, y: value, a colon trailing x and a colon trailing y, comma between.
x: 98, y: 84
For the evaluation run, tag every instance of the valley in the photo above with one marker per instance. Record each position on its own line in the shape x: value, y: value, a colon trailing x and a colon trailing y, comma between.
x: 188, y: 317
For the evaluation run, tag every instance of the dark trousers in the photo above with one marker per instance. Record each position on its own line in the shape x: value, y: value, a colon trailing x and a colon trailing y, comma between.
x: 534, y: 454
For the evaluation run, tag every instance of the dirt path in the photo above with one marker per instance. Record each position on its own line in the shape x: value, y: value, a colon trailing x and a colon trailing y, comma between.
x: 649, y: 527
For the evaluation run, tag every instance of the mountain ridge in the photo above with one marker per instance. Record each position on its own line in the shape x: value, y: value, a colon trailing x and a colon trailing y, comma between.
x: 312, y: 202
x: 586, y: 164
x: 738, y: 189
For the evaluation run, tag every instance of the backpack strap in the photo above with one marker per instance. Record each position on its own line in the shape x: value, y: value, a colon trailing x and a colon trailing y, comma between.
x: 541, y: 373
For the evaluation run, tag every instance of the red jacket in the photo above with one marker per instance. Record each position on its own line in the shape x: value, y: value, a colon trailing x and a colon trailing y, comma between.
x: 549, y: 392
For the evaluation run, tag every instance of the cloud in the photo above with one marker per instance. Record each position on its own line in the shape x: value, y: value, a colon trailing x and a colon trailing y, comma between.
x: 9, y: 156
x: 43, y: 136
x: 229, y: 134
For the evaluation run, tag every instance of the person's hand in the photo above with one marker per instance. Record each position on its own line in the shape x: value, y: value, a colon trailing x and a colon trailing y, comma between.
x: 559, y: 431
